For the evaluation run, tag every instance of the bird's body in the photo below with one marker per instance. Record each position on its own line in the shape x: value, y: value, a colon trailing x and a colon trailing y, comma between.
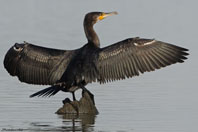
x: 69, y: 70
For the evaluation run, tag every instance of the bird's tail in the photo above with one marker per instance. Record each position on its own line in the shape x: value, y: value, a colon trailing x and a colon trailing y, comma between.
x: 47, y: 92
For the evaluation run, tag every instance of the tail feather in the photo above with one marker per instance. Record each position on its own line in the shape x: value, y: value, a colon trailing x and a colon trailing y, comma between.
x: 47, y: 92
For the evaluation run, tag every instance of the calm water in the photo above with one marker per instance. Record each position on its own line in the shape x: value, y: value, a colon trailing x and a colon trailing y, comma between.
x: 162, y: 101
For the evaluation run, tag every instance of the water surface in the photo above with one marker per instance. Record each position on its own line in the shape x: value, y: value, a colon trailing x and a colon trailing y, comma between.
x: 161, y: 101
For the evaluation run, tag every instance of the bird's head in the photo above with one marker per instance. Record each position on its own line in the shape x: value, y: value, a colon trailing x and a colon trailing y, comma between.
x: 94, y: 17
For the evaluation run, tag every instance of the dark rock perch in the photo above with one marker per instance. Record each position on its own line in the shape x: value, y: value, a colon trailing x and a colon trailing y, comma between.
x: 85, y: 105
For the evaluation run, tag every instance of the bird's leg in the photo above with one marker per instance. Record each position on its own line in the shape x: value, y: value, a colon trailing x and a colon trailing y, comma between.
x: 73, y: 95
x: 66, y: 100
x: 90, y: 94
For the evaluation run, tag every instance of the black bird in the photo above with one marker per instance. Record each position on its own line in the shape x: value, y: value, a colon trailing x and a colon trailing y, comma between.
x: 69, y: 70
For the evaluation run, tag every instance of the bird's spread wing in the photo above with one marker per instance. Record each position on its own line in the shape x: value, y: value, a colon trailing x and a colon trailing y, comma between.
x: 132, y: 56
x: 36, y: 65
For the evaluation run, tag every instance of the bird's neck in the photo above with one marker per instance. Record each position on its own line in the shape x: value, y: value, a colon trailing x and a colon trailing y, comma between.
x: 91, y: 35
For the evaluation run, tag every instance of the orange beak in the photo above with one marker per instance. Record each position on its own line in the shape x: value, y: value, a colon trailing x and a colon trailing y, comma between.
x: 104, y: 15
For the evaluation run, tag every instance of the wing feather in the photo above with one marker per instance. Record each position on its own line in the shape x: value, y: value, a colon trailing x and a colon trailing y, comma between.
x: 132, y: 56
x: 36, y: 65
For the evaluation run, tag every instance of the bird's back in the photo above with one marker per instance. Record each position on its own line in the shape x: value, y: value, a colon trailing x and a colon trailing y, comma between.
x: 81, y: 69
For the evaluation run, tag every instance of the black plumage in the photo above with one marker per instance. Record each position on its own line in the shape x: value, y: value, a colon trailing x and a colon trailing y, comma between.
x: 69, y: 70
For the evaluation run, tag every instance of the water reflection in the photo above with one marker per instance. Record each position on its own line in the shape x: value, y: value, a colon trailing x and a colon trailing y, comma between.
x: 78, y: 122
x: 84, y: 123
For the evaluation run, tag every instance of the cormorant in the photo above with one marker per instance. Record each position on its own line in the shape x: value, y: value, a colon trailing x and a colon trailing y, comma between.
x: 69, y: 70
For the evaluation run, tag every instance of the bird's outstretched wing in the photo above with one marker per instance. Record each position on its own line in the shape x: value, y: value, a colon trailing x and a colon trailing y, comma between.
x: 36, y: 65
x: 132, y: 56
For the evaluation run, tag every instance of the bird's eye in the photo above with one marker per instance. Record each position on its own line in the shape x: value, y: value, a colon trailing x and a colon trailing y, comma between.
x: 100, y: 14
